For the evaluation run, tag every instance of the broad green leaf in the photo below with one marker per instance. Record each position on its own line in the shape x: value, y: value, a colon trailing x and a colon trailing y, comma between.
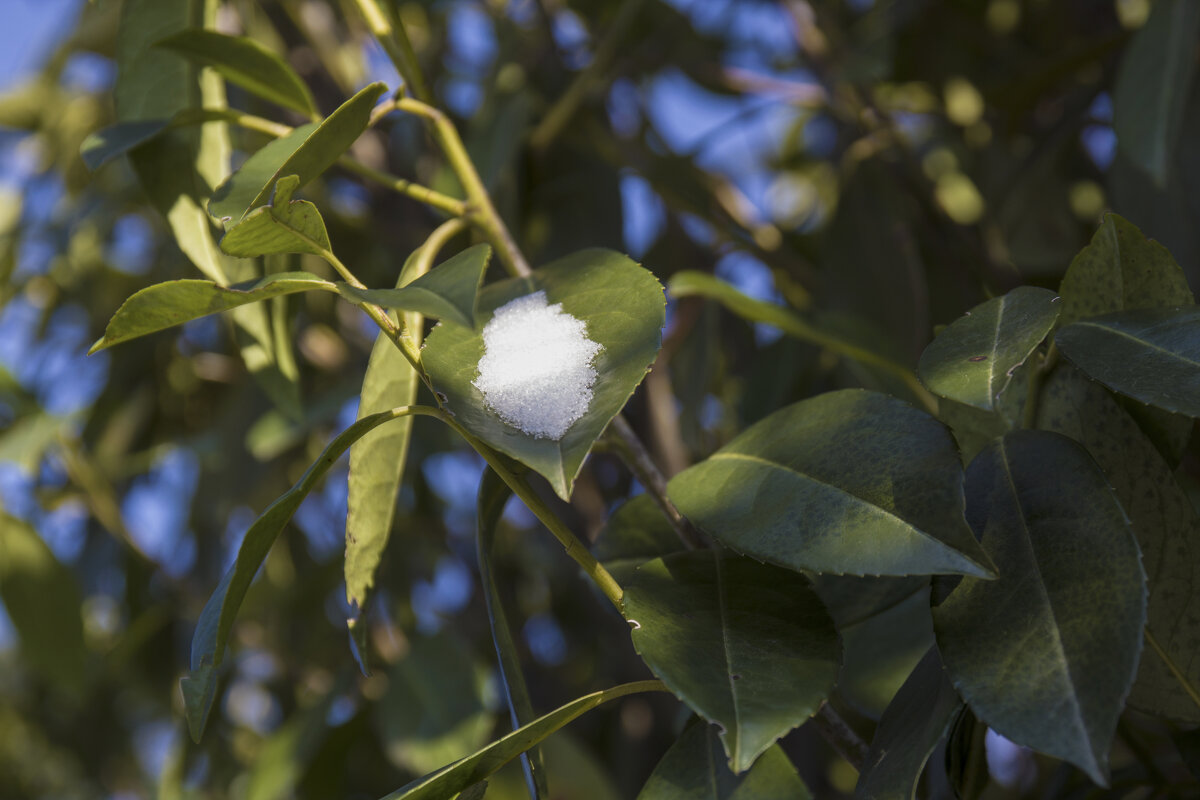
x: 165, y: 305
x: 1046, y: 654
x: 850, y: 482
x: 43, y: 601
x: 216, y: 620
x: 748, y: 646
x: 1166, y: 525
x: 449, y: 291
x: 634, y: 533
x: 853, y: 599
x: 474, y: 768
x: 493, y: 495
x: 918, y: 718
x: 1151, y: 355
x: 245, y: 62
x: 972, y: 361
x: 694, y: 769
x: 433, y: 712
x: 1152, y: 86
x: 283, y: 226
x: 881, y: 651
x: 116, y: 140
x: 623, y: 308
x: 306, y: 152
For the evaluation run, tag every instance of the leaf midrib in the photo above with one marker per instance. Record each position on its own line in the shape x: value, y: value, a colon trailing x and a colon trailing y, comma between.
x: 1115, y: 331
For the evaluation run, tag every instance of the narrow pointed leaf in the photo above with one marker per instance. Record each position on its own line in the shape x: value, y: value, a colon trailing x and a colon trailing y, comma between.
x: 1152, y: 355
x: 493, y: 495
x: 459, y: 776
x: 165, y: 305
x: 694, y: 769
x: 748, y: 646
x: 848, y: 482
x: 216, y: 620
x: 917, y: 719
x: 245, y: 62
x: 972, y: 361
x: 306, y: 152
x: 1040, y: 654
x: 450, y: 291
x: 284, y: 226
x: 622, y: 306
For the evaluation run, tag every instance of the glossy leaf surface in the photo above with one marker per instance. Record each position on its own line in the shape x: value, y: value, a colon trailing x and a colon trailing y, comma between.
x: 1040, y: 654
x: 748, y: 646
x: 848, y: 482
x: 283, y: 226
x: 622, y: 306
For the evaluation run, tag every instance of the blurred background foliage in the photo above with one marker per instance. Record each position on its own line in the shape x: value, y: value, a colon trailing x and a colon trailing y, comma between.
x: 879, y: 165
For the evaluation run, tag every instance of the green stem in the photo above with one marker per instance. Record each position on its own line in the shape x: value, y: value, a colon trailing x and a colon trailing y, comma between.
x: 1033, y: 392
x: 1173, y: 667
x: 395, y: 43
x: 840, y: 735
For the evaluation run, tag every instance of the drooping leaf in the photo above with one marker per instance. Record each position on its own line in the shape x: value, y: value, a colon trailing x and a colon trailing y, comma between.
x: 694, y: 769
x: 165, y: 305
x: 1042, y: 655
x: 449, y: 291
x: 306, y: 152
x: 919, y: 716
x: 493, y: 495
x: 1166, y: 525
x: 283, y: 226
x: 622, y: 306
x: 848, y: 482
x: 1151, y: 355
x: 216, y: 620
x: 748, y: 646
x: 1152, y: 86
x: 43, y: 601
x: 474, y: 768
x: 633, y: 534
x: 972, y: 361
x: 245, y: 62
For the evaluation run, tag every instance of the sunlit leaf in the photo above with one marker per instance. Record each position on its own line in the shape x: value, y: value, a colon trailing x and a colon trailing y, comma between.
x: 283, y: 226
x: 1039, y: 654
x: 450, y: 291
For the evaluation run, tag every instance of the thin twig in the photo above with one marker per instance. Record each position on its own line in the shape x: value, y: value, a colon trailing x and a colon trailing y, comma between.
x: 635, y: 455
x: 840, y: 735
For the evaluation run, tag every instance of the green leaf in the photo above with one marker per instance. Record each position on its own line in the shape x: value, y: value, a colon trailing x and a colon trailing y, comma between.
x: 881, y: 651
x: 972, y: 361
x: 1047, y: 653
x: 245, y: 62
x: 27, y: 439
x: 852, y: 599
x: 623, y: 308
x: 216, y: 620
x: 634, y: 533
x: 694, y: 769
x: 917, y: 719
x: 43, y: 601
x: 165, y: 305
x: 1166, y: 525
x: 493, y: 495
x: 283, y: 226
x: 114, y: 141
x: 448, y: 292
x: 846, y: 482
x: 1152, y: 86
x: 1151, y: 355
x: 462, y: 774
x: 306, y: 152
x: 746, y: 645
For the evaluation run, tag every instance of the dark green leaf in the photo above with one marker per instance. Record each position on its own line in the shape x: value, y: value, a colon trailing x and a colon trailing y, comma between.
x: 284, y: 226
x: 973, y: 360
x: 634, y: 533
x: 245, y: 62
x: 216, y: 620
x: 449, y: 291
x: 846, y: 482
x: 918, y: 717
x: 43, y: 601
x: 746, y: 645
x: 1046, y: 654
x: 493, y: 495
x: 1151, y: 355
x: 966, y: 757
x: 116, y: 140
x: 1166, y: 525
x: 881, y: 651
x: 852, y: 599
x: 1152, y: 85
x: 164, y: 305
x: 457, y: 777
x: 306, y: 152
x: 694, y: 769
x: 623, y: 308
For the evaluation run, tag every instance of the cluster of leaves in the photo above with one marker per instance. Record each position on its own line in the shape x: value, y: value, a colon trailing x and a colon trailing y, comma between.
x: 1000, y: 539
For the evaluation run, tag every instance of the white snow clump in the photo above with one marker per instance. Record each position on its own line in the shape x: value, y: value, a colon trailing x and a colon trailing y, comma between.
x: 536, y: 372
